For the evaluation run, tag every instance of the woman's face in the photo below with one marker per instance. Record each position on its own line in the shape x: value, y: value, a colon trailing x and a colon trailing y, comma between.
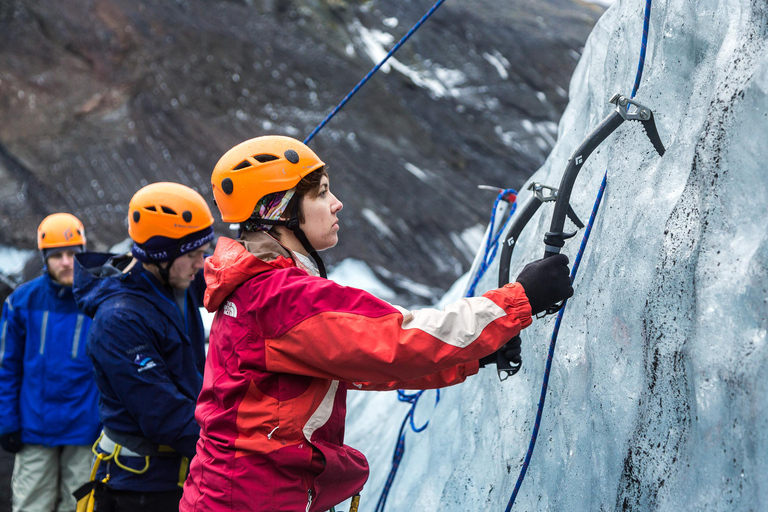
x: 321, y: 224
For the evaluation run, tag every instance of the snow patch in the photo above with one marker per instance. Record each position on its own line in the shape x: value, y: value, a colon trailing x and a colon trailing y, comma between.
x: 439, y: 81
x: 377, y: 222
x: 356, y: 273
x: 390, y: 22
x: 423, y: 176
x: 469, y: 240
x: 499, y: 62
x: 12, y: 260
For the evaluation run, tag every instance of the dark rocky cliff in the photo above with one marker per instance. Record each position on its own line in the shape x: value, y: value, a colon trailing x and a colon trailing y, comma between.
x: 100, y: 97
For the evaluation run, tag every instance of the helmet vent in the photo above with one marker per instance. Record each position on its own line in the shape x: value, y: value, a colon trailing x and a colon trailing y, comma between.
x: 136, y: 216
x: 242, y: 165
x: 265, y: 158
x: 151, y: 208
x: 168, y: 210
x: 187, y: 216
x: 292, y: 156
x: 227, y: 186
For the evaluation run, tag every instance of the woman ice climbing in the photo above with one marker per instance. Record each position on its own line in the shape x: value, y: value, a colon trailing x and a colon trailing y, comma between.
x: 286, y: 343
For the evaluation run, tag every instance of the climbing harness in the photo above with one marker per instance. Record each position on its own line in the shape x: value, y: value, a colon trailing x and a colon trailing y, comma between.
x: 106, y: 449
x: 397, y: 456
x: 626, y: 109
x: 354, y: 504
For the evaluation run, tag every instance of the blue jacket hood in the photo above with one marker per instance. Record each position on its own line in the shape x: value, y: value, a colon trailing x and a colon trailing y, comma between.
x: 99, y: 276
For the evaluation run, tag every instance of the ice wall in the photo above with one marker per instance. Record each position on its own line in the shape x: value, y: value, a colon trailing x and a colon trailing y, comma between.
x: 657, y: 398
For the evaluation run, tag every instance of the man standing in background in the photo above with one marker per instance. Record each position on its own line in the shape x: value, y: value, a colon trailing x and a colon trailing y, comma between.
x: 147, y: 345
x: 48, y: 396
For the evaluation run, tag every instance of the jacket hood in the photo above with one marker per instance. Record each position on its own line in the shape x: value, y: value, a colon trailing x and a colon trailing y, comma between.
x: 236, y: 261
x: 99, y: 276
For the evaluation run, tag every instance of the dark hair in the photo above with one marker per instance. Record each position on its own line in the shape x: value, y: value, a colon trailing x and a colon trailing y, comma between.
x: 308, y: 186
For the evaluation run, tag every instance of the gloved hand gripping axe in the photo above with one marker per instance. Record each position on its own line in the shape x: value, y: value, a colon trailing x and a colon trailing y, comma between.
x: 626, y: 109
x: 507, y: 358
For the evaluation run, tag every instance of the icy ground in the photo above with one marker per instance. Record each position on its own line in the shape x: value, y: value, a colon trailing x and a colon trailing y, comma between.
x: 657, y: 398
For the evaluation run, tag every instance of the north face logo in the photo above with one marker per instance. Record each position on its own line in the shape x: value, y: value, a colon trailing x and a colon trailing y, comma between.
x: 230, y: 309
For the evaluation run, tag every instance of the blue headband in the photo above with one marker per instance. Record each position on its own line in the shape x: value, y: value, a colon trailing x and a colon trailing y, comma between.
x: 161, y: 248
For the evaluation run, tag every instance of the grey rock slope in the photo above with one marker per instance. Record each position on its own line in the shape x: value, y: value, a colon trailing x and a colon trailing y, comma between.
x: 100, y: 97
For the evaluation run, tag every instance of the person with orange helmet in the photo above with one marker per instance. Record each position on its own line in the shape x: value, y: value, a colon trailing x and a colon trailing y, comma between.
x: 286, y: 343
x: 48, y: 396
x: 147, y: 345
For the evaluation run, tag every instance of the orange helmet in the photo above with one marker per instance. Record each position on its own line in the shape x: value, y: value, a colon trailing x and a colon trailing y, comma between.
x: 257, y: 167
x: 169, y: 210
x: 60, y: 230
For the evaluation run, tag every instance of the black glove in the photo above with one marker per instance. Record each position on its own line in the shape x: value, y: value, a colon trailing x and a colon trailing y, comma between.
x: 510, y: 352
x: 546, y: 282
x: 11, y: 442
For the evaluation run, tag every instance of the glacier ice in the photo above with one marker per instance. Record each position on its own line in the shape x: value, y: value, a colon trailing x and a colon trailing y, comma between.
x: 657, y: 398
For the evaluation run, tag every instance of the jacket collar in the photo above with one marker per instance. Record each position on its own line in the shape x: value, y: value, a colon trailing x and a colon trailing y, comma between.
x: 236, y: 261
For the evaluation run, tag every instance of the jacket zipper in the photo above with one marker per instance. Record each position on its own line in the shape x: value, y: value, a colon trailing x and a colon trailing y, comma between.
x: 309, y: 499
x: 76, y: 336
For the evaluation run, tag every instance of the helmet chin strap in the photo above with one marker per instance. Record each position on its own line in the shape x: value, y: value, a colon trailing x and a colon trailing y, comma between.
x: 164, y: 267
x: 293, y: 225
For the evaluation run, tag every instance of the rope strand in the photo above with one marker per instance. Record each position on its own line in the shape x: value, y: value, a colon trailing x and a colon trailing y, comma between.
x: 373, y: 71
x: 575, y: 269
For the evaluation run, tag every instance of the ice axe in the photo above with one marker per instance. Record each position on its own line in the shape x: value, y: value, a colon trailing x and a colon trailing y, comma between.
x: 626, y: 109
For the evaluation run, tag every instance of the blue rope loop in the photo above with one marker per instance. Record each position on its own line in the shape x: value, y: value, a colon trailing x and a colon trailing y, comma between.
x: 491, y: 245
x: 574, y: 270
x: 373, y: 71
x: 397, y: 456
x: 492, y: 242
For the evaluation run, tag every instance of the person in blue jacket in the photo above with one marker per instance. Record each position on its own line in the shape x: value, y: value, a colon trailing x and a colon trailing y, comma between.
x: 147, y: 344
x: 48, y: 397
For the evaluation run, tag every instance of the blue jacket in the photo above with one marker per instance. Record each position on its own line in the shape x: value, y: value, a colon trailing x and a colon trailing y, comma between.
x: 149, y: 358
x: 47, y: 388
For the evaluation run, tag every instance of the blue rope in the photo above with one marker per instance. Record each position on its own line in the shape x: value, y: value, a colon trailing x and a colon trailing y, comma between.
x: 491, y: 243
x: 574, y: 270
x: 644, y: 46
x: 412, y: 399
x: 402, y: 396
x: 373, y: 71
x: 552, y: 343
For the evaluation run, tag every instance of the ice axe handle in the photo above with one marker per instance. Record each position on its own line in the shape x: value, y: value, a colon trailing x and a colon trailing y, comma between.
x: 548, y: 253
x: 506, y: 368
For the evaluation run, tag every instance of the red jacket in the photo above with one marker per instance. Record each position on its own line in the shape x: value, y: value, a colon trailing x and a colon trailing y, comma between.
x: 284, y: 347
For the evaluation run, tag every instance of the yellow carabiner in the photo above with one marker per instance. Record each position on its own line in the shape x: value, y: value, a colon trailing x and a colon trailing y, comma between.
x: 183, y: 469
x: 355, y: 503
x: 93, y: 449
x: 116, y: 453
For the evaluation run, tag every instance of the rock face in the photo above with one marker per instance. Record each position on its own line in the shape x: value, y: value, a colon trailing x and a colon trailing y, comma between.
x: 100, y: 97
x: 656, y: 399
